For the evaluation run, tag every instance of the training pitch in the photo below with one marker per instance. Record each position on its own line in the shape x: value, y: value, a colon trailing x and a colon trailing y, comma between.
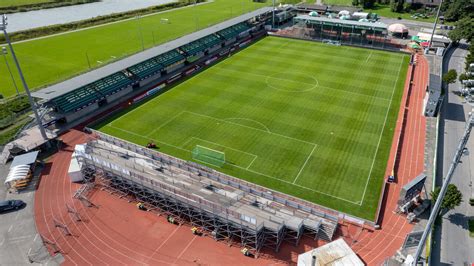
x: 308, y: 119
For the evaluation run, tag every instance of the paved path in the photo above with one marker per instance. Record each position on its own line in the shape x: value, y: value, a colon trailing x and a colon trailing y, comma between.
x: 19, y: 240
x: 453, y: 246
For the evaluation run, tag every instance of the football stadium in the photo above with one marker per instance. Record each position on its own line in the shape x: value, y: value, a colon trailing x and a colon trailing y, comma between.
x: 271, y: 126
x: 308, y: 119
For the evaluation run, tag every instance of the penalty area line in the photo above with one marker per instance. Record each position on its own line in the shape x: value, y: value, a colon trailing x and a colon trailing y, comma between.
x: 305, y: 162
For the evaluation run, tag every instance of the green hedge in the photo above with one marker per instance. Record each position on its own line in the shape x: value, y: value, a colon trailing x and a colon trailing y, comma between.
x: 10, y: 109
x: 54, y: 29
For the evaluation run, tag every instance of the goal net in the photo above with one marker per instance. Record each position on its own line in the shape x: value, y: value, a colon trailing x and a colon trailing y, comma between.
x: 208, y: 155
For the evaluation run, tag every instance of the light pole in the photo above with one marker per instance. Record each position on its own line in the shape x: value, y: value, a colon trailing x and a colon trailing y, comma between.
x: 434, y: 27
x: 4, y: 53
x: 140, y: 31
x: 3, y: 27
x: 437, y: 206
x: 273, y: 15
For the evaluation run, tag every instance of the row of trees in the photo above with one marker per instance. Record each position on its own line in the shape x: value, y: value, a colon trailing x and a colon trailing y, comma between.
x: 462, y: 13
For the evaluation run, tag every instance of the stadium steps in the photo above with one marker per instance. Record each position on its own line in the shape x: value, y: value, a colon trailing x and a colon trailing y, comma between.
x: 326, y: 230
x: 146, y: 69
x: 76, y: 99
x: 169, y: 58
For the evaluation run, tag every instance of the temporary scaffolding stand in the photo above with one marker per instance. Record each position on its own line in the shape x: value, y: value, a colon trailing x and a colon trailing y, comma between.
x: 228, y: 208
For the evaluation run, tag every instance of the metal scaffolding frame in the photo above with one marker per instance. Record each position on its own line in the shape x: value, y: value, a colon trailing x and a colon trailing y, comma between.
x: 244, y: 216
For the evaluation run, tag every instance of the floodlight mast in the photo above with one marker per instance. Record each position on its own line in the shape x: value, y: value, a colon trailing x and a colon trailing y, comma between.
x: 3, y: 27
x: 434, y: 213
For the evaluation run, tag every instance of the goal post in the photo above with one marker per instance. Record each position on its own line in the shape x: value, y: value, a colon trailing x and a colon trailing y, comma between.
x: 208, y: 155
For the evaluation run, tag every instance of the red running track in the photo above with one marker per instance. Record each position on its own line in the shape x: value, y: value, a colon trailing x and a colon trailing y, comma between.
x: 376, y: 246
x: 116, y: 233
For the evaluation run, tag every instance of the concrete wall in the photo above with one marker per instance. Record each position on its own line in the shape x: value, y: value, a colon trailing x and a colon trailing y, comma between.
x: 119, y: 94
x: 149, y: 79
x: 85, y: 111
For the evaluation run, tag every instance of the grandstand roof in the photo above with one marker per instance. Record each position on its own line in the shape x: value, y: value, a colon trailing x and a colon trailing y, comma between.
x: 320, y: 20
x: 64, y: 87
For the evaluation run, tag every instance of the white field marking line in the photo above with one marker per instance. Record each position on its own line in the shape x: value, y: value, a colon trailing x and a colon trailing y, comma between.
x: 248, y: 119
x: 237, y: 124
x: 249, y: 170
x: 368, y: 57
x: 305, y: 162
x: 166, y: 123
x: 316, y: 84
x: 381, y: 133
x: 251, y: 162
x: 300, y: 186
x: 251, y: 154
x: 184, y: 250
x: 248, y: 153
x: 319, y: 85
x: 145, y: 137
x: 164, y: 242
x: 240, y: 167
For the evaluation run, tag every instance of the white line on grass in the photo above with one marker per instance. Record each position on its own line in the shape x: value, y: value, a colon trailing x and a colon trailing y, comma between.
x: 319, y: 85
x: 165, y: 123
x: 305, y: 162
x: 251, y: 154
x: 248, y: 119
x: 247, y: 169
x: 251, y: 162
x: 381, y: 132
x: 237, y: 124
x: 367, y: 60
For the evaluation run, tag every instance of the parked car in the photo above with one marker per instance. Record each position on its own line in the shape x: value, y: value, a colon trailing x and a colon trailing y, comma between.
x: 9, y: 205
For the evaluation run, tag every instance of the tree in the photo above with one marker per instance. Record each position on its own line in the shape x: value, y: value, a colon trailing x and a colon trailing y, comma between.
x: 470, y: 56
x: 396, y: 5
x: 450, y: 77
x: 367, y: 3
x: 455, y: 10
x: 464, y: 29
x: 462, y: 76
x: 452, y: 198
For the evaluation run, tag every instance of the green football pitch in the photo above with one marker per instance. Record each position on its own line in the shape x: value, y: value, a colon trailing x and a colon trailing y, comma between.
x: 308, y: 119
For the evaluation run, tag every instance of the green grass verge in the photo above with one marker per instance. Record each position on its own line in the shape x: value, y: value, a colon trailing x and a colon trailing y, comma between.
x: 49, y: 60
x: 338, y: 2
x: 385, y: 11
x: 304, y: 118
x: 471, y: 228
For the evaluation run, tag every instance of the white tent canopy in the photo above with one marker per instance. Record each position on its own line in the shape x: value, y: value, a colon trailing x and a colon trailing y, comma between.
x: 18, y: 172
x: 397, y: 28
x: 344, y: 13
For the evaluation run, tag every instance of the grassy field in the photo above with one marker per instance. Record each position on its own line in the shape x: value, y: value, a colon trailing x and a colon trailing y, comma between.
x: 308, y: 119
x: 384, y: 11
x: 56, y: 58
x: 8, y: 3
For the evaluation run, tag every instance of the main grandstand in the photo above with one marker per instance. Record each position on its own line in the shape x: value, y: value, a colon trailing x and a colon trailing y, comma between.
x: 306, y: 126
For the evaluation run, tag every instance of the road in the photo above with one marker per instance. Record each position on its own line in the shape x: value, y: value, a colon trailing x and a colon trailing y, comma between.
x: 452, y: 244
